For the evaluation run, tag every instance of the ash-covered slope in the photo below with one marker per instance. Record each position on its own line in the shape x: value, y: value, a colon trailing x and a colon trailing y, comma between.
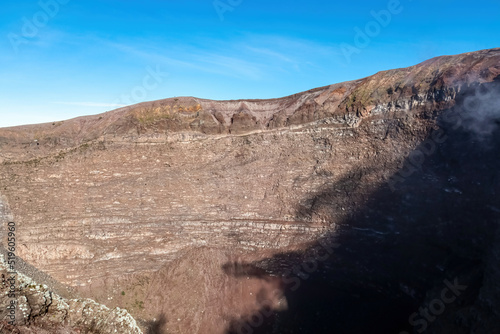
x: 193, y: 213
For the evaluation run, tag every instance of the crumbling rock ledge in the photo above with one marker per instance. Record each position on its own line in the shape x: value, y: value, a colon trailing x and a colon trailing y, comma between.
x: 39, y: 310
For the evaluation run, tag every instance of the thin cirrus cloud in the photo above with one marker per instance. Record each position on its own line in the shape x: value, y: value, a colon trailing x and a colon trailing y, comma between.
x: 232, y: 66
x: 198, y: 60
x: 91, y: 104
x: 270, y: 53
x: 250, y: 57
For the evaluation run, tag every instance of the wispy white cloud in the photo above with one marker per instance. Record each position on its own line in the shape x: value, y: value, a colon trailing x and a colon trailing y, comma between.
x: 250, y: 57
x: 292, y: 47
x: 270, y: 53
x: 91, y: 104
x: 231, y: 65
x: 291, y: 53
x: 214, y: 62
x: 253, y: 57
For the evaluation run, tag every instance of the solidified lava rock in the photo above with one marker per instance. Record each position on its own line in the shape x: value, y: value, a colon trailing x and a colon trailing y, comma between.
x: 365, y: 206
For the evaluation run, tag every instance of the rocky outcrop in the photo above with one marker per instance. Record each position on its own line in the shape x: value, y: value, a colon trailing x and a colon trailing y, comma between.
x: 196, y: 215
x: 26, y: 304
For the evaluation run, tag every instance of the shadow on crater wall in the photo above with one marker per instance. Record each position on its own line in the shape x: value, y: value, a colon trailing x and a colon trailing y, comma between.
x: 429, y: 229
x: 157, y: 326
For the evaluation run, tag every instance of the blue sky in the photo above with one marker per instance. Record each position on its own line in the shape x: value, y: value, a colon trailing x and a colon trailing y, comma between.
x: 66, y: 58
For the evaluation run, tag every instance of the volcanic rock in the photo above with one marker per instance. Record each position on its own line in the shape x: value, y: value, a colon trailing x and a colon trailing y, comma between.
x: 202, y: 216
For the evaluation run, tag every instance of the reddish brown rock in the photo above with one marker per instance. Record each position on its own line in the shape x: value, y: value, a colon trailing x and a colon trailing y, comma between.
x: 151, y: 207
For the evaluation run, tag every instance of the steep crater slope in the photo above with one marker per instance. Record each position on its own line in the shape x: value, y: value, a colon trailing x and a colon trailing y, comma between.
x: 420, y: 254
x: 182, y: 209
